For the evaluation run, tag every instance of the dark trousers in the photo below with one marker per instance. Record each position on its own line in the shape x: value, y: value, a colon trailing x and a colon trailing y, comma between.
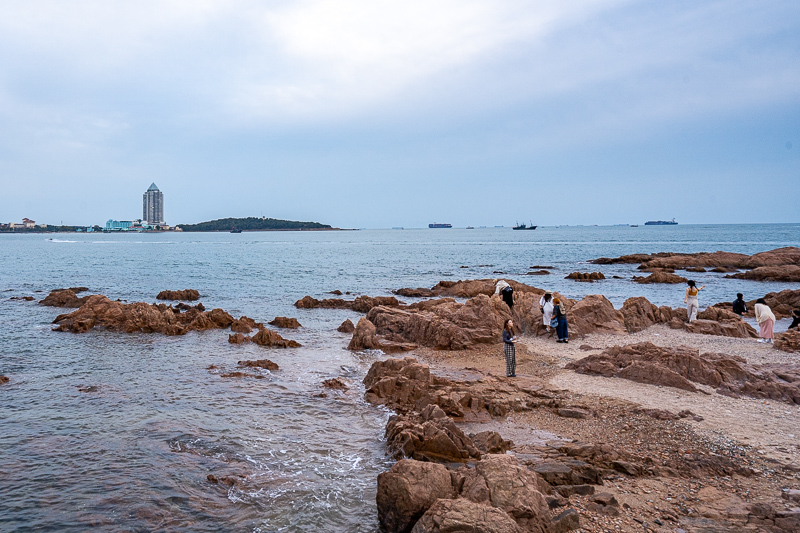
x: 561, y: 328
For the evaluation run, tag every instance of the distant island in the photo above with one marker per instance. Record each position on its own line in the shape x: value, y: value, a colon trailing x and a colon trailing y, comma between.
x: 253, y: 224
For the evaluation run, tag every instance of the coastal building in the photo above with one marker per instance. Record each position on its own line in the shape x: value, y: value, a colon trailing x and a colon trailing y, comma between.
x: 26, y: 223
x: 153, y: 206
x: 118, y: 225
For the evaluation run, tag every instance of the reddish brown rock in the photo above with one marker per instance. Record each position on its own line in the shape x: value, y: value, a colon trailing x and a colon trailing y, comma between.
x: 461, y: 515
x: 788, y: 341
x: 260, y: 363
x: 429, y: 436
x: 660, y: 277
x: 629, y: 259
x: 734, y: 327
x: 491, y: 442
x: 595, y: 314
x: 648, y: 363
x: 360, y: 304
x: 364, y: 336
x: 408, y: 490
x: 285, y: 322
x: 267, y: 337
x: 240, y: 375
x: 4, y: 379
x: 586, y: 276
x: 639, y: 314
x: 238, y: 338
x: 23, y: 298
x: 189, y: 295
x: 241, y: 326
x: 346, y: 327
x: 63, y: 298
x: 789, y: 255
x: 789, y: 273
x: 335, y: 383
x: 419, y: 292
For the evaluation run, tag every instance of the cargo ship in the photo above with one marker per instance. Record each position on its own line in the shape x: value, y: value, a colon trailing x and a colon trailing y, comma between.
x: 524, y: 226
x: 435, y: 225
x: 661, y: 223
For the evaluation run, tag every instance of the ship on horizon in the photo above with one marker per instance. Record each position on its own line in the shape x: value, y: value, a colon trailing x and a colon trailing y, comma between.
x: 436, y: 225
x: 661, y: 223
x: 524, y: 226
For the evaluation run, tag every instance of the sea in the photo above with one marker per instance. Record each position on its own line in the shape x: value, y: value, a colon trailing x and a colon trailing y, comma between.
x: 119, y: 432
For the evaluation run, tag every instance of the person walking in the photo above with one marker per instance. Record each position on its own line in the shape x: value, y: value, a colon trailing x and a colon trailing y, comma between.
x: 546, y: 307
x: 690, y: 299
x: 509, y: 349
x: 739, y: 305
x: 766, y: 321
x: 560, y: 313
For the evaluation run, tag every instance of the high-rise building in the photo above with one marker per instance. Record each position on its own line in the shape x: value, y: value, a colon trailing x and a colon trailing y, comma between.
x: 153, y: 206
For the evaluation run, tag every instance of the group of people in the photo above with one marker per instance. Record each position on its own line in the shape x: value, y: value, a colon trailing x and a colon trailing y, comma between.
x: 554, y: 317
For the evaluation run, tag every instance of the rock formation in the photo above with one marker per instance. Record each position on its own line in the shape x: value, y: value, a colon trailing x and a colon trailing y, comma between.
x: 429, y: 436
x: 361, y: 304
x: 189, y: 295
x: 365, y: 338
x: 465, y: 289
x: 267, y: 337
x: 586, y: 276
x: 285, y: 322
x: 781, y: 303
x: 789, y: 273
x: 788, y: 341
x: 63, y: 298
x: 260, y: 363
x: 660, y: 276
x: 346, y: 326
x: 684, y: 367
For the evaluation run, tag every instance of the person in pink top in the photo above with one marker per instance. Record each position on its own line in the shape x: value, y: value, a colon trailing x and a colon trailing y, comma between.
x: 765, y: 319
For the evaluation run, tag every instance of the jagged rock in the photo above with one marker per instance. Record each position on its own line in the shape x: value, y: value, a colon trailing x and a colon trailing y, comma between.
x: 23, y: 298
x: 346, y: 327
x: 781, y: 303
x: 679, y: 367
x: 241, y: 326
x: 238, y: 338
x: 63, y: 298
x: 419, y: 292
x: 364, y: 337
x: 139, y: 317
x: 660, y: 277
x: 586, y: 276
x: 788, y: 341
x: 186, y: 294
x: 407, y: 491
x: 285, y: 322
x: 335, y: 383
x: 491, y: 442
x: 461, y: 516
x: 639, y: 314
x: 734, y: 327
x: 260, y: 363
x: 595, y: 314
x: 267, y: 337
x: 430, y: 436
x: 789, y: 273
x: 789, y: 255
x: 361, y: 304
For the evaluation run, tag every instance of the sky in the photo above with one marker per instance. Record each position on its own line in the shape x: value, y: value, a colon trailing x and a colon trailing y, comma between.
x: 374, y: 114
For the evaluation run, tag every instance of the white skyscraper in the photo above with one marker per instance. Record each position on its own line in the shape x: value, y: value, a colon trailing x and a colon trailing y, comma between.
x: 153, y: 206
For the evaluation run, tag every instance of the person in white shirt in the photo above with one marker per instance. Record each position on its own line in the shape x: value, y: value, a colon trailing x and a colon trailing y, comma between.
x: 546, y: 307
x: 765, y: 319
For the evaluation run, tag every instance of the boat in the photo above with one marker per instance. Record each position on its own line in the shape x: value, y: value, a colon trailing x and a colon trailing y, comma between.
x: 661, y: 223
x: 524, y: 226
x: 470, y: 227
x: 634, y: 225
x: 235, y: 230
x: 435, y: 225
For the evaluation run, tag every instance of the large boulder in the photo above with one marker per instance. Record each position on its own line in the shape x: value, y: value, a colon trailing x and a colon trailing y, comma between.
x: 660, y: 277
x: 63, y: 298
x: 429, y: 436
x: 407, y: 491
x: 788, y: 341
x: 269, y: 338
x: 285, y: 322
x: 595, y: 314
x: 683, y: 367
x: 790, y: 273
x: 789, y: 255
x: 189, y: 295
x: 462, y: 516
x: 586, y: 276
x: 638, y: 314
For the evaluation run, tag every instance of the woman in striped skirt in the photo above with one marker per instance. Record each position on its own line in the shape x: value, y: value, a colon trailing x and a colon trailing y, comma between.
x: 510, y: 350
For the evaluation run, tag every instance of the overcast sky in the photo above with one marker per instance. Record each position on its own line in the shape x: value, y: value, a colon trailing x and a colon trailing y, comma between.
x: 377, y: 114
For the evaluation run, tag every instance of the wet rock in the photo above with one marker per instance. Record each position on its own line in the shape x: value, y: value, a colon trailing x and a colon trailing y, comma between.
x: 679, y: 367
x: 285, y: 322
x: 364, y: 336
x: 585, y: 276
x: 346, y: 327
x: 335, y: 383
x: 408, y: 490
x: 460, y: 515
x: 660, y: 277
x: 241, y: 326
x: 238, y: 338
x: 241, y: 375
x: 789, y: 273
x: 538, y: 273
x: 186, y: 295
x: 419, y: 292
x: 695, y: 269
x: 63, y: 298
x: 4, y: 379
x: 88, y: 388
x: 267, y: 337
x: 23, y: 298
x: 360, y: 304
x: 336, y: 292
x: 429, y: 436
x: 541, y: 266
x: 259, y: 363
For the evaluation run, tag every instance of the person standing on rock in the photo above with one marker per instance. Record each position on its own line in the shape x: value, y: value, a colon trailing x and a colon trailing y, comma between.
x: 765, y: 319
x: 739, y: 305
x: 560, y: 312
x: 510, y: 350
x: 690, y: 299
x: 546, y: 307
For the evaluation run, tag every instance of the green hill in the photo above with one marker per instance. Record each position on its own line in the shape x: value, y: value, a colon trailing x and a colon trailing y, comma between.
x: 252, y: 224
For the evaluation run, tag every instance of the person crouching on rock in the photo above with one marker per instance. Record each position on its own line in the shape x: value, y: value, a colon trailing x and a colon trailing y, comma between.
x: 795, y: 319
x: 546, y: 307
x: 690, y: 299
x: 739, y: 305
x: 765, y: 319
x: 510, y: 350
x: 560, y: 313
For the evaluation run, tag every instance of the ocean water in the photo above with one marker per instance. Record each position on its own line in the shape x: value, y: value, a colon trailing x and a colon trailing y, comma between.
x: 134, y: 454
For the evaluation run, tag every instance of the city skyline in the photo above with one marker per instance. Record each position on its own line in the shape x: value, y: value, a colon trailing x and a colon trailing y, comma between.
x: 578, y: 112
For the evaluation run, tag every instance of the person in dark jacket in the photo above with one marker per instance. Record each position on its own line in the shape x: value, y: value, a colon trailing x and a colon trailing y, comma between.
x: 795, y: 319
x: 560, y: 313
x: 739, y: 305
x: 508, y: 296
x: 510, y: 350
